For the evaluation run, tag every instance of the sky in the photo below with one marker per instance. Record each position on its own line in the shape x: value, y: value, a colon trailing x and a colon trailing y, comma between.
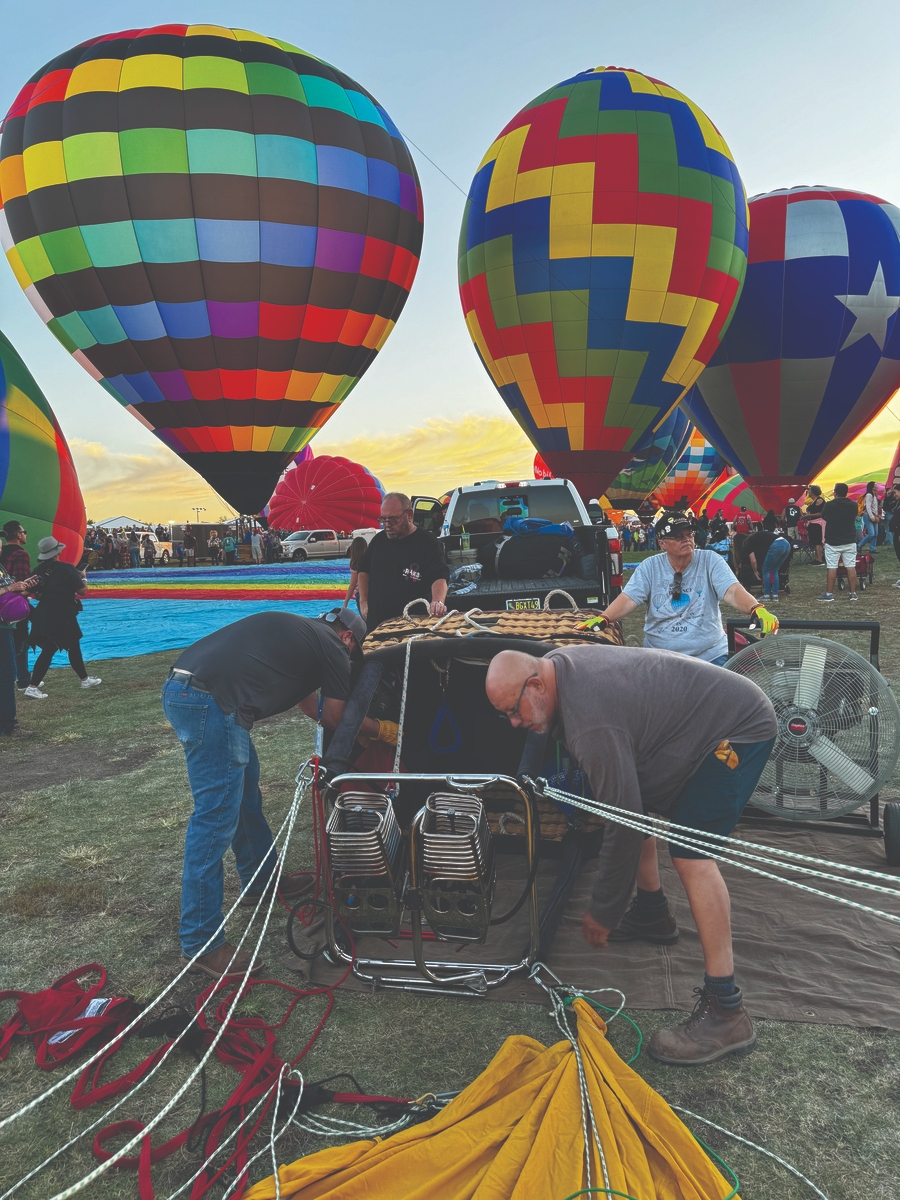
x: 803, y: 93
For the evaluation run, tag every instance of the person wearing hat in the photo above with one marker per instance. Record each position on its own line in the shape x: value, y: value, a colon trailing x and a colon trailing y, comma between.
x: 216, y: 690
x: 54, y: 623
x: 682, y: 588
x: 16, y: 563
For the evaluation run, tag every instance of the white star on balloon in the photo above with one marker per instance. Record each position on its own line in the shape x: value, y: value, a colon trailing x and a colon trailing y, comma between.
x: 872, y: 312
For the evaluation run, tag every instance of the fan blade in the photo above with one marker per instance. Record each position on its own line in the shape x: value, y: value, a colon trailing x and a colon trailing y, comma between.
x: 812, y: 669
x: 833, y: 759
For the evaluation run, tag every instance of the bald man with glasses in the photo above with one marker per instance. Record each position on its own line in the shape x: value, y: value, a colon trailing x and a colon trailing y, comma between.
x: 682, y: 588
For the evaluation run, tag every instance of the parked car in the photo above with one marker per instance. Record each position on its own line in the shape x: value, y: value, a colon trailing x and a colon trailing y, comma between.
x: 315, y: 543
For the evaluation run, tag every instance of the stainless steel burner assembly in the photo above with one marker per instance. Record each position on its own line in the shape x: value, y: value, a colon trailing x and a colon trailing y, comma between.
x: 365, y: 851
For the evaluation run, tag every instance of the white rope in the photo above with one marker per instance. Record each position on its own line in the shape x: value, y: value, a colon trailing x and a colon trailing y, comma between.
x: 687, y: 838
x: 737, y: 1137
x: 288, y: 825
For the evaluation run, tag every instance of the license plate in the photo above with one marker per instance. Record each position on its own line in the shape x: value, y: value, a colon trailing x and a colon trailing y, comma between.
x: 531, y: 604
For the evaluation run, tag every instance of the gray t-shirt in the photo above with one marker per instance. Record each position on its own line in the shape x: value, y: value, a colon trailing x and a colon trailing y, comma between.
x: 692, y: 624
x: 639, y: 723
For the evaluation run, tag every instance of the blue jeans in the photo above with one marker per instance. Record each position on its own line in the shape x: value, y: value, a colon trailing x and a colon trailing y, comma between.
x: 7, y: 680
x: 223, y: 771
x: 871, y: 533
x: 776, y: 555
x: 134, y: 554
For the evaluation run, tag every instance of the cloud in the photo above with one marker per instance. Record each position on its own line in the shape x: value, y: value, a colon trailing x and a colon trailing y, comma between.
x: 154, y: 485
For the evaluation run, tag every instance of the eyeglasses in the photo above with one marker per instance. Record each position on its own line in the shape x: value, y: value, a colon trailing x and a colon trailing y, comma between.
x: 395, y: 520
x: 683, y: 536
x: 514, y: 711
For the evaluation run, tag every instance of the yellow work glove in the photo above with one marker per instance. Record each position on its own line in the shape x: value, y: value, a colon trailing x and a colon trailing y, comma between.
x: 767, y: 621
x: 387, y: 732
x: 594, y: 624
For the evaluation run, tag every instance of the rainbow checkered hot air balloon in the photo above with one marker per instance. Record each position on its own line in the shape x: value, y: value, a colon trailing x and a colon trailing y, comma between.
x: 651, y: 462
x: 221, y: 228
x: 602, y: 252
x: 692, y: 476
x: 38, y: 484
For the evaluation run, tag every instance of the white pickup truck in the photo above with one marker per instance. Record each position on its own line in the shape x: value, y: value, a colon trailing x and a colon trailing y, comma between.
x: 304, y: 544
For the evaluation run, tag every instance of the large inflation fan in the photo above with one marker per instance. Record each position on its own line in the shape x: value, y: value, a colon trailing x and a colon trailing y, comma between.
x: 838, y: 726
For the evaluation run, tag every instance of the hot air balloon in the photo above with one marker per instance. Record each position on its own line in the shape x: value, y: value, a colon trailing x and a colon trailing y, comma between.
x: 602, y: 251
x: 221, y: 228
x: 38, y: 484
x: 893, y: 475
x: 651, y: 462
x: 813, y: 352
x: 692, y: 476
x: 541, y: 470
x: 328, y: 493
x: 730, y: 496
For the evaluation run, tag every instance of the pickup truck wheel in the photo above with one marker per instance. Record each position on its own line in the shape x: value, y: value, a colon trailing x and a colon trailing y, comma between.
x: 300, y: 556
x: 165, y: 558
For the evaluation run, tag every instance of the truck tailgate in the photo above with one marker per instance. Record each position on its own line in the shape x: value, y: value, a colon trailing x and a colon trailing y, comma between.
x: 494, y: 593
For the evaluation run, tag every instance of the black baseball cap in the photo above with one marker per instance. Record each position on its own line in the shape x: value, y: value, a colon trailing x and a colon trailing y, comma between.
x: 671, y: 524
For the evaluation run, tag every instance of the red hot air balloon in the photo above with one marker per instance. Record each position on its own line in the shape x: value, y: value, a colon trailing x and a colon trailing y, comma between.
x: 326, y: 493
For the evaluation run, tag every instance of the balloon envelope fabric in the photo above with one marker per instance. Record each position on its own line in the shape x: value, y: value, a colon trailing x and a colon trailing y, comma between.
x: 38, y: 483
x: 692, y: 476
x: 222, y: 230
x: 813, y: 352
x: 326, y: 493
x: 651, y: 462
x: 730, y: 497
x: 602, y: 250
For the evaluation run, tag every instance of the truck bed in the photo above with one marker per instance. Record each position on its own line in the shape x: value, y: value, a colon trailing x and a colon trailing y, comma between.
x: 492, y: 594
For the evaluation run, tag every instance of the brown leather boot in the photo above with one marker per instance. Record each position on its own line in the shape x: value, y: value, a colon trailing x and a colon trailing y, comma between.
x: 709, y: 1033
x: 656, y: 925
x: 218, y: 963
x: 293, y: 887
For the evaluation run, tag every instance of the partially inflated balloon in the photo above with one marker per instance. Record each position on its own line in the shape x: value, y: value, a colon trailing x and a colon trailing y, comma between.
x: 541, y: 470
x: 219, y: 227
x: 38, y: 484
x: 730, y: 497
x: 813, y: 352
x: 602, y: 251
x: 893, y: 477
x: 651, y: 463
x: 326, y: 493
x: 692, y: 476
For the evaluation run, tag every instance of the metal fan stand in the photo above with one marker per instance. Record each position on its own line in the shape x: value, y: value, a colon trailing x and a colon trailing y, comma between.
x: 859, y: 823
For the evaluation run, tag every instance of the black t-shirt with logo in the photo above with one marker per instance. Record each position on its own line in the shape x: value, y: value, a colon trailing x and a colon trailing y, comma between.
x: 268, y: 662
x: 840, y: 521
x: 400, y: 570
x: 792, y: 514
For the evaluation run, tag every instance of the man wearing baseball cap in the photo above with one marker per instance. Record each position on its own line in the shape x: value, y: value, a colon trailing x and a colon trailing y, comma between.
x: 252, y: 669
x: 682, y: 588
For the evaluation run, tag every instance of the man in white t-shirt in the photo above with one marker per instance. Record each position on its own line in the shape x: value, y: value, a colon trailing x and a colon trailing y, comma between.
x: 682, y: 589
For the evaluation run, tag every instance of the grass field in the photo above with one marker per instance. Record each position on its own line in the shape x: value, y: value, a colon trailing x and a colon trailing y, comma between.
x: 93, y: 810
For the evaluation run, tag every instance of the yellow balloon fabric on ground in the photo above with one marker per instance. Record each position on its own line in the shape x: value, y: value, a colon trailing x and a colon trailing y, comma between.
x: 515, y: 1133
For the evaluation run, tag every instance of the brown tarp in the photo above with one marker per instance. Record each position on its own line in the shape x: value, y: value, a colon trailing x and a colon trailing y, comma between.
x: 798, y: 957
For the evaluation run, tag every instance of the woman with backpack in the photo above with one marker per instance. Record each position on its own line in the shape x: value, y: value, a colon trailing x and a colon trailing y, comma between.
x: 54, y: 623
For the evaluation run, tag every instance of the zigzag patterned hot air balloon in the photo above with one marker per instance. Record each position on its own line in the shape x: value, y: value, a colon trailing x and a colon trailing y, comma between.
x: 692, y: 476
x: 602, y: 251
x: 651, y: 462
x: 813, y: 352
x: 222, y: 230
x: 730, y: 497
x: 38, y: 484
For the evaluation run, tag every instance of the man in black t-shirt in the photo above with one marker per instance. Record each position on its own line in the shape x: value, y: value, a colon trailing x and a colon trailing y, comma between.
x: 792, y: 514
x: 245, y: 672
x: 402, y: 563
x: 840, y: 540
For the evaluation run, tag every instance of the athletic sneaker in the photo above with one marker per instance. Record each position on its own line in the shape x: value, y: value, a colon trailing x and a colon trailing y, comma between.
x: 897, y: 584
x: 773, y: 599
x: 827, y: 597
x: 853, y: 596
x: 91, y: 681
x: 764, y: 599
x: 34, y: 692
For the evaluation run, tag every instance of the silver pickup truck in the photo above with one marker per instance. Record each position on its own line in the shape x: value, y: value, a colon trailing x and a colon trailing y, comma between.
x: 304, y: 544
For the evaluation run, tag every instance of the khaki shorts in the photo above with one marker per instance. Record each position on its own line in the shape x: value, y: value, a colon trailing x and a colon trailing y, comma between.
x: 835, y: 555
